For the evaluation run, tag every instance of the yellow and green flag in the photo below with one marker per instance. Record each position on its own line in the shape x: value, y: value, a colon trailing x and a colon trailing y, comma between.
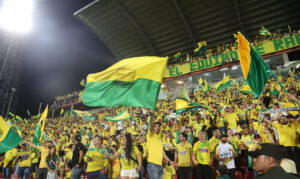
x: 123, y: 115
x: 202, y: 48
x: 8, y: 137
x: 185, y: 94
x: 86, y: 116
x: 183, y: 105
x: 246, y: 88
x: 255, y: 70
x: 82, y: 82
x: 38, y: 135
x: 130, y: 82
x: 206, y: 87
x: 62, y: 111
x: 264, y: 31
x: 225, y: 83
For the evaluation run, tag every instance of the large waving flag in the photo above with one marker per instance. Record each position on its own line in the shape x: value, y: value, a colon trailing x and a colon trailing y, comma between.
x: 130, y: 82
x: 183, y: 105
x: 8, y: 137
x: 255, y: 70
x: 38, y: 135
x: 86, y: 116
x: 226, y: 82
x: 202, y: 48
x: 123, y: 115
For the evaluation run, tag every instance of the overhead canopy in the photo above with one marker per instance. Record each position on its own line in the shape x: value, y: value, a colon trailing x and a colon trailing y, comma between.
x: 132, y: 28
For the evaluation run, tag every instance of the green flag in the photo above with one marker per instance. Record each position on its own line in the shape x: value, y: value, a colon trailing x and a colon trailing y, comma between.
x: 255, y: 70
x: 8, y: 137
x: 263, y: 31
x: 225, y: 83
x: 123, y: 115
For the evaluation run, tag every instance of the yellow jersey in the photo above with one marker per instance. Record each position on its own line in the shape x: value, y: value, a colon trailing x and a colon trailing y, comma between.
x: 128, y: 164
x: 203, y: 152
x: 184, y: 154
x: 168, y: 172
x: 98, y: 159
x: 25, y: 158
x: 287, y: 134
x: 44, y: 154
x: 155, y: 148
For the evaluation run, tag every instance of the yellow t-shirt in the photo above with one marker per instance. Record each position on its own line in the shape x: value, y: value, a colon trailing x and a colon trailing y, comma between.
x: 98, y: 160
x: 8, y: 157
x: 213, y: 142
x: 184, y: 154
x: 235, y: 142
x: 168, y: 172
x: 116, y: 169
x: 203, y: 152
x: 197, y: 127
x: 25, y: 158
x: 287, y: 133
x: 128, y: 164
x: 44, y: 154
x: 220, y: 122
x: 232, y: 120
x: 155, y: 148
x: 248, y: 140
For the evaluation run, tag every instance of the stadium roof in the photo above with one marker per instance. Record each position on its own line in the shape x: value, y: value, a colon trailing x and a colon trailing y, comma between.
x: 164, y: 27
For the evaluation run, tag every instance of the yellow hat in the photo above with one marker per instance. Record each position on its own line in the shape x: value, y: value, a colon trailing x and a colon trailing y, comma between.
x: 105, y: 142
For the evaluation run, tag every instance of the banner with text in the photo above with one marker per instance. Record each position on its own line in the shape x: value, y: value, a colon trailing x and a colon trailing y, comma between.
x: 264, y: 48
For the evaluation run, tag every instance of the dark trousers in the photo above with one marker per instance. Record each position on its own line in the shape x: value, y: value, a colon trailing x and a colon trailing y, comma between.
x: 184, y: 172
x: 231, y: 173
x: 203, y: 172
x: 42, y: 173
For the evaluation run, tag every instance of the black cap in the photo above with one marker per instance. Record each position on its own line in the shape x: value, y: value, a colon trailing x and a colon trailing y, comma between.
x: 78, y: 137
x: 223, y: 134
x: 269, y: 150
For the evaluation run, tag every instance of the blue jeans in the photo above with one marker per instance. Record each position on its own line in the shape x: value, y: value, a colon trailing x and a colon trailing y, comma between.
x: 95, y: 174
x: 76, y: 172
x: 6, y: 172
x: 155, y: 171
x: 24, y: 172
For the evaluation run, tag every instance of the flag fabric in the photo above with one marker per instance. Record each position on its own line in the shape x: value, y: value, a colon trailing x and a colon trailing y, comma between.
x: 162, y: 95
x: 86, y: 116
x: 183, y: 105
x: 185, y: 94
x: 201, y: 83
x: 19, y: 131
x: 11, y: 114
x: 226, y: 82
x: 8, y: 137
x: 19, y: 118
x: 38, y: 135
x: 188, y: 58
x: 177, y: 55
x: 130, y: 82
x: 28, y: 113
x: 202, y: 48
x: 246, y: 88
x: 62, y: 111
x: 290, y: 30
x: 255, y: 70
x: 206, y: 87
x: 123, y: 115
x: 263, y: 31
x: 82, y: 82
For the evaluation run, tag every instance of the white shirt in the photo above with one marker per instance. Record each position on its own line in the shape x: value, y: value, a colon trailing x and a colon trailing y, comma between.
x: 225, y: 151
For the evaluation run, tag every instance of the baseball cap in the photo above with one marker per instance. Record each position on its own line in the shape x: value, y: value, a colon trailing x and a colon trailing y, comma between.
x: 223, y: 134
x: 269, y: 150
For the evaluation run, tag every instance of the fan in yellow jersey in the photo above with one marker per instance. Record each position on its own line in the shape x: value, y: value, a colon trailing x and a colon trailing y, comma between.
x: 131, y: 160
x: 202, y: 157
x: 24, y: 159
x: 115, y: 165
x: 95, y: 158
x: 215, y: 138
x: 169, y: 172
x: 183, y: 157
x: 9, y: 159
x: 286, y: 128
x: 43, y: 168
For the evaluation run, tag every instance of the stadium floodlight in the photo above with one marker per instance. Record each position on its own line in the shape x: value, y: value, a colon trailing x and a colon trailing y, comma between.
x: 235, y: 67
x: 16, y: 15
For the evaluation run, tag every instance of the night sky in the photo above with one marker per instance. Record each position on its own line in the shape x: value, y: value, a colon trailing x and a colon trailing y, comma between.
x: 57, y: 54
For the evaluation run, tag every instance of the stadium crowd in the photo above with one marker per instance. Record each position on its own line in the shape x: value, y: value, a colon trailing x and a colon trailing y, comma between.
x: 227, y: 140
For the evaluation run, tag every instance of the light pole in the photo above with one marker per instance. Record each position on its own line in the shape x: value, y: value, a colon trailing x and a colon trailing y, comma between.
x: 13, y: 90
x: 40, y: 107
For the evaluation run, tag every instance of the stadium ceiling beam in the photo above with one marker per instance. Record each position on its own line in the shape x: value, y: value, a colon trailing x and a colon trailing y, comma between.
x: 237, y: 10
x: 137, y: 25
x: 93, y: 28
x: 187, y: 26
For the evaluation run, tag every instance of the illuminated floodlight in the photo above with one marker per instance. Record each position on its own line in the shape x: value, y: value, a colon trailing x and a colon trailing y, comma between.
x: 16, y: 15
x: 180, y: 82
x: 235, y: 67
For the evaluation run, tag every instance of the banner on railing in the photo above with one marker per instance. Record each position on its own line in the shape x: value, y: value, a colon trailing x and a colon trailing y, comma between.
x: 264, y: 48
